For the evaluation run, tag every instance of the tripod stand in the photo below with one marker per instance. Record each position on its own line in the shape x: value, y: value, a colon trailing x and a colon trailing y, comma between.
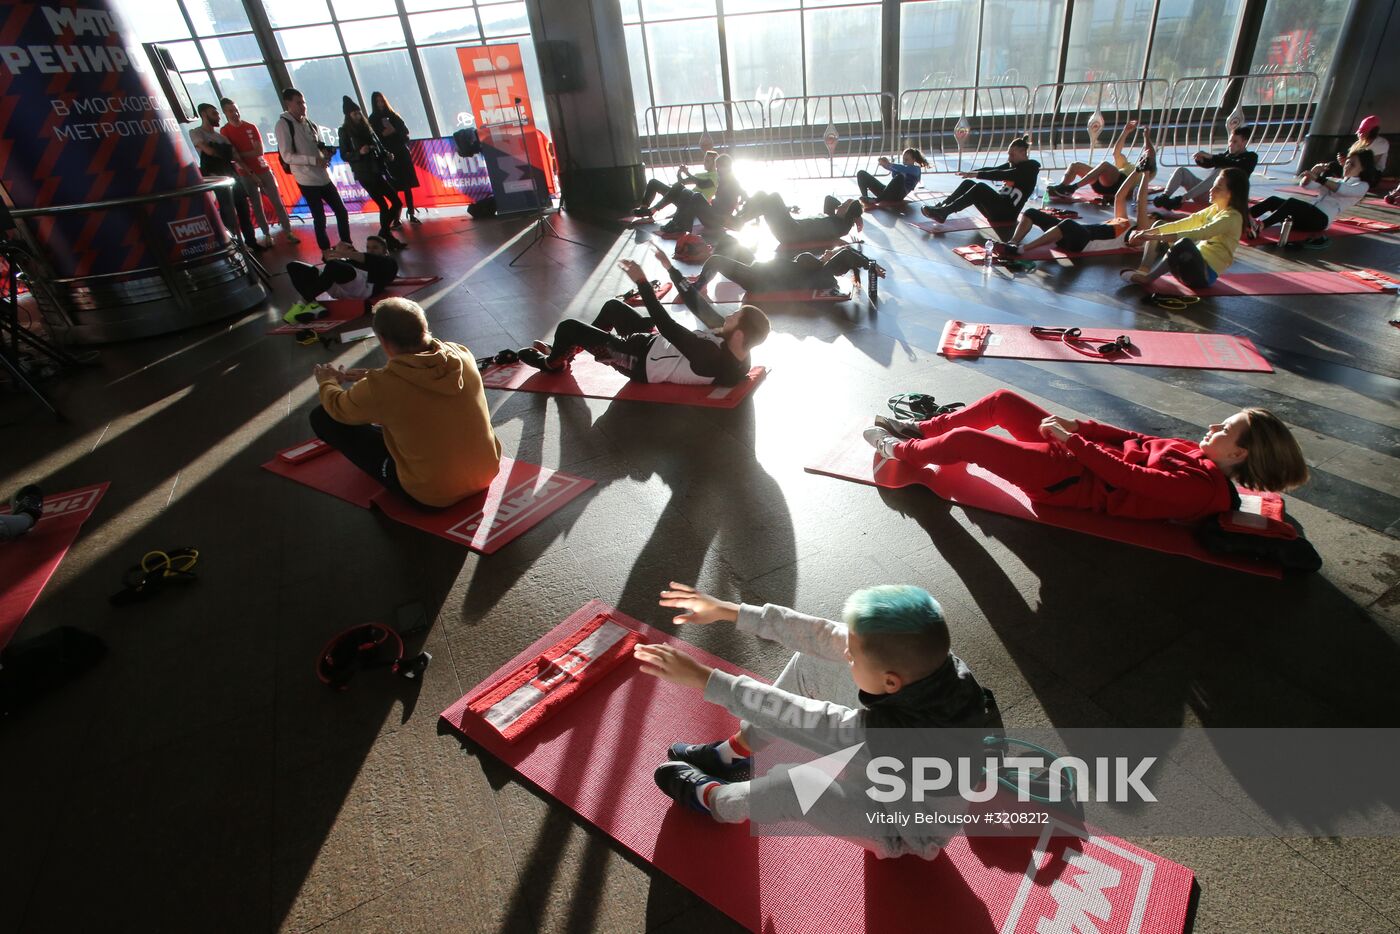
x: 541, y: 228
x: 13, y: 337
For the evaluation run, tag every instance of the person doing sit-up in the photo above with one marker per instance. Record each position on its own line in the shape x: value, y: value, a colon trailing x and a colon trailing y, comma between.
x: 1105, y: 178
x: 418, y: 425
x: 835, y: 221
x: 347, y: 273
x: 1216, y: 227
x: 704, y: 183
x: 803, y: 271
x: 904, y: 177
x: 887, y: 667
x: 1074, y: 237
x: 1088, y: 465
x: 1316, y: 215
x: 715, y: 210
x: 671, y: 353
x: 1017, y: 175
x: 1196, y: 186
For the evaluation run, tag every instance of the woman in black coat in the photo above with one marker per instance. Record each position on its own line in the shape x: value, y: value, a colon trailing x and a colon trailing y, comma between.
x: 394, y: 133
x: 370, y: 162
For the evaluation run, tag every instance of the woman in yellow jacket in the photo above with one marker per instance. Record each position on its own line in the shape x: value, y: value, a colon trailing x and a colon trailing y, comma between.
x: 1203, y: 244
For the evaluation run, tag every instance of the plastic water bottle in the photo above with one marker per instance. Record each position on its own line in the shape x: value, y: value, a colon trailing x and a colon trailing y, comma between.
x: 989, y: 260
x: 1284, y: 231
x: 1042, y: 194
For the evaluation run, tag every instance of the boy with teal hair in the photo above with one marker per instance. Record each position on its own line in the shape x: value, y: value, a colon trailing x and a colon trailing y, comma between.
x: 887, y: 665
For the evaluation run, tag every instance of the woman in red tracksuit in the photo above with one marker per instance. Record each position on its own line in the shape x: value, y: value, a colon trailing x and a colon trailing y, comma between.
x: 1088, y: 465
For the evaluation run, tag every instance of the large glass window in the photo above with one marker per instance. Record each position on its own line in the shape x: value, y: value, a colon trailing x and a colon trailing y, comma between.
x: 323, y: 81
x: 938, y: 44
x: 213, y: 17
x: 1194, y: 38
x: 1108, y: 40
x: 687, y: 68
x: 764, y: 61
x: 1299, y: 35
x: 258, y: 101
x: 839, y: 44
x: 1020, y: 42
x: 392, y: 74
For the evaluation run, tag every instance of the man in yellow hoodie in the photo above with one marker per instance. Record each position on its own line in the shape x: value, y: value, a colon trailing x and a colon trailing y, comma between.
x: 419, y: 425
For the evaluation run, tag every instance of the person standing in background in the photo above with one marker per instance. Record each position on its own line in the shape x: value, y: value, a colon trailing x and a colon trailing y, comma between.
x: 216, y: 158
x: 300, y: 148
x: 393, y: 133
x: 253, y: 170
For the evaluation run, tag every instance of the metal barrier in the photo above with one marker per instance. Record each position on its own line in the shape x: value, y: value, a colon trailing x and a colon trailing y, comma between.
x: 830, y: 135
x: 957, y: 128
x: 679, y: 134
x: 1077, y: 121
x: 1277, y: 108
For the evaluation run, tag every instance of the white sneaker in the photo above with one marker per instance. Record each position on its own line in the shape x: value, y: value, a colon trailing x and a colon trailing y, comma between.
x: 882, y: 441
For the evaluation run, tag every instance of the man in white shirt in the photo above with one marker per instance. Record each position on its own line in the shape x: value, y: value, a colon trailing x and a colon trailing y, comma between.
x: 301, y: 150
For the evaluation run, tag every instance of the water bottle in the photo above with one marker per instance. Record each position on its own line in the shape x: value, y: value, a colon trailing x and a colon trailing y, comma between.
x: 1284, y: 231
x: 1042, y: 193
x: 990, y: 259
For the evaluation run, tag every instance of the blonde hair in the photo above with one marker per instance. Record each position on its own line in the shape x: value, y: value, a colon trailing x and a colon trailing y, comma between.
x: 401, y: 322
x: 1275, y: 463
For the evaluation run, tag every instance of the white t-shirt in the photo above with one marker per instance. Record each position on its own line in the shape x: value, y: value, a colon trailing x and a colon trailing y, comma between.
x: 1333, y: 203
x: 357, y: 287
x: 1380, y: 149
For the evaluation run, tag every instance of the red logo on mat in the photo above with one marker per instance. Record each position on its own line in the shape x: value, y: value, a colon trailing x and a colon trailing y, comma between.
x: 191, y: 228
x: 67, y: 503
x: 516, y: 506
x: 1091, y: 886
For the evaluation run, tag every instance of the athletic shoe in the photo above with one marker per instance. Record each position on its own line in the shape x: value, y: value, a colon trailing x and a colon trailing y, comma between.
x: 1167, y: 202
x: 290, y: 237
x: 673, y: 227
x: 29, y: 501
x: 643, y: 212
x: 302, y: 312
x: 682, y: 783
x: 899, y: 427
x: 1009, y: 250
x: 937, y: 215
x: 1393, y: 197
x: 1063, y: 190
x: 706, y: 758
x: 882, y: 441
x: 1317, y: 243
x: 532, y: 357
x: 413, y: 219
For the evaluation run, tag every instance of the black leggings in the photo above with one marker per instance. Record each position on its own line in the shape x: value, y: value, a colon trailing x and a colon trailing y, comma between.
x: 317, y: 197
x: 1305, y: 216
x: 777, y: 275
x: 994, y: 205
x: 669, y: 194
x: 692, y: 206
x: 1185, y: 261
x: 387, y: 200
x: 626, y: 349
x: 363, y: 446
x: 894, y: 190
x: 236, y: 211
x: 310, y: 281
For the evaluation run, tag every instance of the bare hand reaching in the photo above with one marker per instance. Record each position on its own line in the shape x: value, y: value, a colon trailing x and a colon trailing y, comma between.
x: 1056, y: 428
x: 634, y: 271
x: 698, y: 607
x: 669, y: 662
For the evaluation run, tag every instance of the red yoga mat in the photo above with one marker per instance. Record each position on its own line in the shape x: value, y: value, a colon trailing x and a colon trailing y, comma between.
x: 724, y: 292
x: 521, y: 496
x: 341, y: 310
x: 1310, y: 282
x: 976, y: 254
x: 1341, y: 227
x: 969, y: 485
x: 595, y: 755
x: 27, y: 563
x: 1186, y: 349
x: 587, y: 377
x: 1380, y: 203
x: 955, y: 224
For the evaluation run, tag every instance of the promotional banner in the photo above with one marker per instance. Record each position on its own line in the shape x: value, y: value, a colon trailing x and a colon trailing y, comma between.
x: 81, y: 121
x: 521, y: 178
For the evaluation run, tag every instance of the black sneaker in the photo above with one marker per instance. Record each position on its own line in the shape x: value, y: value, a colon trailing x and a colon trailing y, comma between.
x: 934, y: 214
x: 706, y: 758
x: 532, y: 357
x: 1317, y: 243
x: 899, y: 427
x: 1009, y: 250
x: 1167, y: 202
x: 1062, y: 190
x: 29, y: 501
x: 680, y: 782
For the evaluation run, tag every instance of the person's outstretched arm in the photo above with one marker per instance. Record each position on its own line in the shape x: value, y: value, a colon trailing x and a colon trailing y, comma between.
x: 706, y: 358
x: 810, y: 635
x: 694, y: 299
x: 1128, y: 129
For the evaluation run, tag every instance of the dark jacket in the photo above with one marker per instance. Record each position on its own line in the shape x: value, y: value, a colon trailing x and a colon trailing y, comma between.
x: 401, y: 170
x: 370, y: 168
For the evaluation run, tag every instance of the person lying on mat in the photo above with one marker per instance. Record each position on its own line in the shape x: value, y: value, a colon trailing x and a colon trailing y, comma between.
x: 904, y: 178
x: 1088, y: 465
x: 716, y: 210
x: 803, y: 271
x: 836, y: 220
x: 26, y: 509
x: 1074, y: 237
x: 1316, y: 215
x: 1217, y: 227
x: 1106, y: 178
x: 887, y: 665
x: 659, y: 349
x: 1196, y: 185
x: 419, y: 425
x: 347, y: 273
x: 703, y: 182
x: 1017, y: 175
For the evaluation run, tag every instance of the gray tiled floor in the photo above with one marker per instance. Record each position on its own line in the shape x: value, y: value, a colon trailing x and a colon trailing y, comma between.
x: 200, y: 778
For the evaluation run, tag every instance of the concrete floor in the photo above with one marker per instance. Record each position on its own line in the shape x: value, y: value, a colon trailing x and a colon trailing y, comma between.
x: 202, y: 779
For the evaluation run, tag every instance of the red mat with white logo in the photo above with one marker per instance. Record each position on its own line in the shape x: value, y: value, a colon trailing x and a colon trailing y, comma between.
x: 587, y: 377
x: 1341, y: 227
x: 521, y: 496
x: 595, y: 755
x: 341, y: 310
x: 27, y: 563
x: 969, y: 485
x: 1310, y: 282
x: 1186, y: 349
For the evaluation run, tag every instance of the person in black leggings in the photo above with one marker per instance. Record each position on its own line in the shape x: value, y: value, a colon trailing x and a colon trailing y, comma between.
x: 716, y: 211
x: 671, y: 194
x: 904, y: 178
x: 803, y: 271
x: 369, y: 162
x: 1337, y: 195
x: 1017, y: 175
x: 836, y: 220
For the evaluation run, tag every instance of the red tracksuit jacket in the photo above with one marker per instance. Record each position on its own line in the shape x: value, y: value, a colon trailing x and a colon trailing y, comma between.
x: 1142, y: 477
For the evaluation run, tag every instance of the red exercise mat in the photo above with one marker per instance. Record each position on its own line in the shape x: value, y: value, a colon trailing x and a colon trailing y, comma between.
x: 725, y: 292
x: 1341, y: 227
x: 587, y: 377
x: 596, y: 754
x: 1379, y: 203
x: 1186, y: 349
x: 976, y: 254
x: 969, y: 485
x: 955, y: 224
x: 521, y: 496
x: 1310, y: 282
x: 27, y: 563
x: 341, y: 310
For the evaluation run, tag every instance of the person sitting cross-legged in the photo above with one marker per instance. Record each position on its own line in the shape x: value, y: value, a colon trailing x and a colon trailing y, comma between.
x: 658, y: 349
x: 419, y: 425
